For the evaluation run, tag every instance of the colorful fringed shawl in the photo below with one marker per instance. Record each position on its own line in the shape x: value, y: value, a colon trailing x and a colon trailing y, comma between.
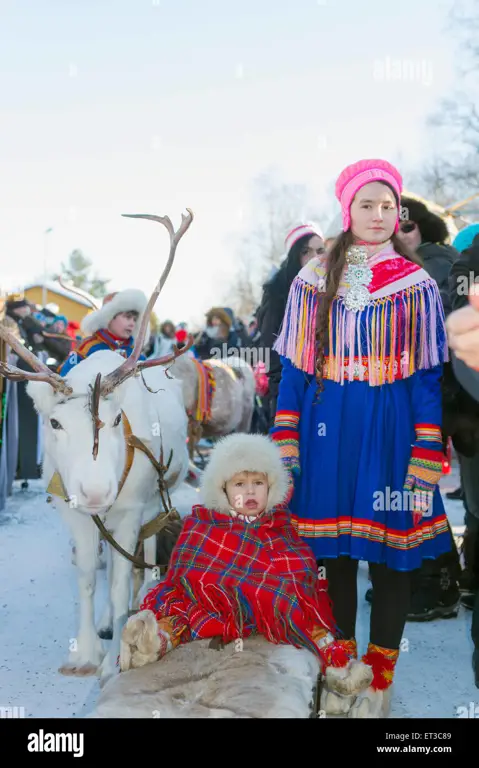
x: 206, y: 390
x: 231, y: 579
x: 400, y: 331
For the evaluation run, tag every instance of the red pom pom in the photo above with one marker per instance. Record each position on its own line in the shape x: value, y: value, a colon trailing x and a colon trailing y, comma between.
x: 383, y: 670
x: 334, y: 655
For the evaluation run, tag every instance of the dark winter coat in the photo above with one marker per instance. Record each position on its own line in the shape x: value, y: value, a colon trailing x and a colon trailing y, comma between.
x: 270, y: 317
x: 206, y: 348
x: 438, y: 261
x: 58, y: 346
x: 460, y: 406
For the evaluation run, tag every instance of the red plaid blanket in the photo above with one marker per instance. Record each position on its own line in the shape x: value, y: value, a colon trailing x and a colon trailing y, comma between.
x: 231, y: 578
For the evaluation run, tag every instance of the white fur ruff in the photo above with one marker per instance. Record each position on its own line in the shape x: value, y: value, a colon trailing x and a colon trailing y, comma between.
x: 243, y: 453
x: 349, y: 680
x: 372, y: 704
x: 262, y: 680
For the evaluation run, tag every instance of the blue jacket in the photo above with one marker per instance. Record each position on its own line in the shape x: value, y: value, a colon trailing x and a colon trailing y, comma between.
x: 100, y: 340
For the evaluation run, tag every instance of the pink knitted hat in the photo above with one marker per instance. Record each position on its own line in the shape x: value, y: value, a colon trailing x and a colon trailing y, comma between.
x: 364, y: 172
x: 300, y: 230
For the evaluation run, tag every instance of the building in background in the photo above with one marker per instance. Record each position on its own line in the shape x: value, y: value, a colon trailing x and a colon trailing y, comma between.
x: 73, y: 306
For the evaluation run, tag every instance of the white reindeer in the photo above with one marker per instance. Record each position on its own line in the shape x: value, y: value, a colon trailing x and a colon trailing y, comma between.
x: 86, y: 420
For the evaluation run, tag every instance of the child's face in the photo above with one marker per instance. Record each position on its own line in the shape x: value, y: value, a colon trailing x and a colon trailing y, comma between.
x: 58, y: 326
x: 247, y: 492
x: 123, y: 324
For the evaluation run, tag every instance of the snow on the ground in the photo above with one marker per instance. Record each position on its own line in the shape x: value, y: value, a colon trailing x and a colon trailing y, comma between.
x: 38, y: 606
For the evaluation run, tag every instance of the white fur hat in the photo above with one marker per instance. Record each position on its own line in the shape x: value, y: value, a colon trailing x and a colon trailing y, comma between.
x: 243, y: 453
x: 130, y: 300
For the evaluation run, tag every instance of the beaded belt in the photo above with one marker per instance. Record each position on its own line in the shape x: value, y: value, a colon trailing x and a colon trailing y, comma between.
x: 361, y: 367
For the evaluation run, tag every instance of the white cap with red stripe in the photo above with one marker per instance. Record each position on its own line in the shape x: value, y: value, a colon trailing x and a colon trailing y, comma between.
x: 300, y: 230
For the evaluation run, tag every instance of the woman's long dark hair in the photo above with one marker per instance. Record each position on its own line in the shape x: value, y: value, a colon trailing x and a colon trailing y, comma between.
x: 336, y: 264
x: 280, y: 283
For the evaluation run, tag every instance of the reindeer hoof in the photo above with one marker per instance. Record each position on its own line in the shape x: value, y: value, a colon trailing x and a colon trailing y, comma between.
x: 78, y: 670
x: 106, y: 633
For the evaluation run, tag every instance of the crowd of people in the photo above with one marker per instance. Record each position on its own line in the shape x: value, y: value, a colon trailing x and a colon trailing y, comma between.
x: 369, y: 334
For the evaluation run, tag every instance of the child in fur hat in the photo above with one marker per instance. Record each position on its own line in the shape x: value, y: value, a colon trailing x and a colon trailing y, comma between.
x: 239, y: 567
x: 114, y: 326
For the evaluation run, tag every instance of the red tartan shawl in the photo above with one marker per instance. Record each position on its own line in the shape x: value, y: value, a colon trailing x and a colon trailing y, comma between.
x: 231, y: 578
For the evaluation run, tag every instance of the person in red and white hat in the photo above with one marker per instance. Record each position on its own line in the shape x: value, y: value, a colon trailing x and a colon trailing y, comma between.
x: 302, y: 243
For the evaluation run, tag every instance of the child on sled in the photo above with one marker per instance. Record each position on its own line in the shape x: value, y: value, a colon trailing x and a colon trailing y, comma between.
x: 239, y: 567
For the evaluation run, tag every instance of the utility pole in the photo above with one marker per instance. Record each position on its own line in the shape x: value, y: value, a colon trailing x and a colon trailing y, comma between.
x: 45, y: 262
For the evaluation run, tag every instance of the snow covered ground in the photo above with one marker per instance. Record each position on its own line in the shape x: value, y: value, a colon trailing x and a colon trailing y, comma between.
x: 38, y: 602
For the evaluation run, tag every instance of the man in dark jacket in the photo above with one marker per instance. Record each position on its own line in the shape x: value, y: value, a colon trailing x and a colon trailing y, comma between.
x: 426, y: 233
x: 463, y: 331
x: 465, y: 409
x: 20, y: 310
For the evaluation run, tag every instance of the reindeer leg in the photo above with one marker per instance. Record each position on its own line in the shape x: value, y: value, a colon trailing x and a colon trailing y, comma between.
x: 126, y: 535
x: 105, y: 626
x: 86, y: 650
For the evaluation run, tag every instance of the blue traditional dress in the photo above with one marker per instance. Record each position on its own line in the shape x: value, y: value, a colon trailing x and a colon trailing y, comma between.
x: 381, y: 402
x: 100, y: 340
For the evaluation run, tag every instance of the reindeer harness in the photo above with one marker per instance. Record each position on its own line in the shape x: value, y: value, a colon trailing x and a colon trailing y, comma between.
x: 56, y: 486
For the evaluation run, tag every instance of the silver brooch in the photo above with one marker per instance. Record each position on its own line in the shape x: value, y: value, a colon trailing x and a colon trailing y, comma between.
x: 358, y: 275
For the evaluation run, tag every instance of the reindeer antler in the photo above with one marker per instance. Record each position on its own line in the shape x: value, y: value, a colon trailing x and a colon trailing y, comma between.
x: 77, y: 293
x: 42, y: 371
x: 131, y: 366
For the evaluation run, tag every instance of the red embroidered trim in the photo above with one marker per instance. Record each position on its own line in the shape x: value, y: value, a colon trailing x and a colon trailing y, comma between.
x: 286, y: 434
x: 430, y: 454
x: 383, y: 669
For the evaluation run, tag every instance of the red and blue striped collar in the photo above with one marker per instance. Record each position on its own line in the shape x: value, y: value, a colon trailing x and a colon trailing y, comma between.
x: 112, y: 342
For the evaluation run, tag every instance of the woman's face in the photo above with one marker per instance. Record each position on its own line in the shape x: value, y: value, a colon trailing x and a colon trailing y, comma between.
x: 373, y: 213
x: 312, y: 248
x: 409, y: 234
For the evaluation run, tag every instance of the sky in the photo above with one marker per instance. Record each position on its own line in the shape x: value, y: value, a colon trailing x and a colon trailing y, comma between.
x: 155, y: 106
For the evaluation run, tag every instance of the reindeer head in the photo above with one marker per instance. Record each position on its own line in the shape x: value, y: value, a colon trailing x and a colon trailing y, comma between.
x: 88, y: 408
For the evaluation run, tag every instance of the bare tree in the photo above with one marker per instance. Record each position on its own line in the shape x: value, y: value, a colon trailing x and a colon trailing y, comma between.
x: 455, y: 175
x: 245, y: 294
x: 78, y: 271
x: 277, y: 208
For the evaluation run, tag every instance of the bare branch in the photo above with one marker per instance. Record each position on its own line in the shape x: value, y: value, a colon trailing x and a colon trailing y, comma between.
x: 42, y: 371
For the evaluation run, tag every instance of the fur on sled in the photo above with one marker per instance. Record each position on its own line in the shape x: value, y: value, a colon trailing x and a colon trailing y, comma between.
x: 251, y: 678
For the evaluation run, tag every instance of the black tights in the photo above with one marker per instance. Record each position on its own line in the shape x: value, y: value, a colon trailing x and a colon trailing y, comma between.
x: 390, y: 605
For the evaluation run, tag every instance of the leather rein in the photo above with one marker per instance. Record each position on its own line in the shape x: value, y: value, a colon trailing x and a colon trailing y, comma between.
x: 154, y: 526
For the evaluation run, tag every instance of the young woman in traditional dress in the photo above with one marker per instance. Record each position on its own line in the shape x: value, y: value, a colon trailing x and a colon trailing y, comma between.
x: 359, y: 417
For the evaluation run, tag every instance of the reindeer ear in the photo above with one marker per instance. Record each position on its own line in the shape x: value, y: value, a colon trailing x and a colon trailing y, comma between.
x: 43, y: 396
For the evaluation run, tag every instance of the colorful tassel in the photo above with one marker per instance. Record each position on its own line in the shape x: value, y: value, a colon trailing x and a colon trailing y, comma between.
x: 206, y: 390
x: 392, y: 338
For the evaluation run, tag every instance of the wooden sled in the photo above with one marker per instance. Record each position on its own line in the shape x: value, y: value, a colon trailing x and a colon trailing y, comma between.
x: 250, y: 678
